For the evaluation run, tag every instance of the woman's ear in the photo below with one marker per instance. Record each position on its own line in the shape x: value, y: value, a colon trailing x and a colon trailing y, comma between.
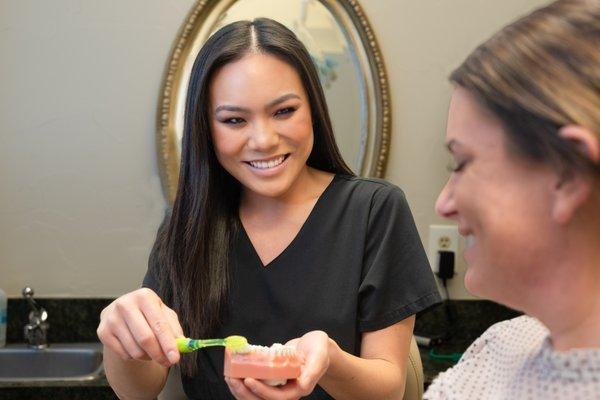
x: 583, y: 139
x: 572, y: 191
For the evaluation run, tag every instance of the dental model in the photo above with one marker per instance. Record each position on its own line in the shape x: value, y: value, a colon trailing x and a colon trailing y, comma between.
x: 273, y: 365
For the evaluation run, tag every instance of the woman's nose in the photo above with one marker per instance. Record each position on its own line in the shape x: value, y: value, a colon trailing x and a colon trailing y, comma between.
x: 263, y: 137
x: 445, y: 204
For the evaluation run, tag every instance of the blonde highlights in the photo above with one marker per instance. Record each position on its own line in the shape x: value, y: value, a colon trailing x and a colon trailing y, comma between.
x: 540, y: 73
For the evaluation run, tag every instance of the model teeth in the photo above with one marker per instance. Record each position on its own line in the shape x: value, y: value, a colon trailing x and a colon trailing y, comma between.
x: 277, y: 349
x: 267, y: 164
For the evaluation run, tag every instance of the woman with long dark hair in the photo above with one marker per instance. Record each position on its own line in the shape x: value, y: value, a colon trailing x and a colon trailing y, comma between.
x: 272, y: 237
x: 524, y: 130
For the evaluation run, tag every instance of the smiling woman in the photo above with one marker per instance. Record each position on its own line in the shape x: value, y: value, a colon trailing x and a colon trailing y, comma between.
x: 524, y: 131
x: 262, y: 125
x: 271, y: 237
x: 341, y: 44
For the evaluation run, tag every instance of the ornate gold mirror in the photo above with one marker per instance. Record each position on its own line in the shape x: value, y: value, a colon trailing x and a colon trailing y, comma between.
x: 344, y: 49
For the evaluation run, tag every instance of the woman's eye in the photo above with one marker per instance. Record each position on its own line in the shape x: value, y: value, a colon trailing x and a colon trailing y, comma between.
x: 233, y: 121
x: 456, y: 166
x: 285, y: 111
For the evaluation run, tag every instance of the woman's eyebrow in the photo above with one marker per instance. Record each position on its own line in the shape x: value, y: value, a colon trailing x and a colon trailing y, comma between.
x: 280, y: 99
x: 283, y: 98
x: 227, y: 107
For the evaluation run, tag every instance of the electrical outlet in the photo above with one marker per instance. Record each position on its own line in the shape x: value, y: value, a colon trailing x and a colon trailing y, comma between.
x: 441, y: 238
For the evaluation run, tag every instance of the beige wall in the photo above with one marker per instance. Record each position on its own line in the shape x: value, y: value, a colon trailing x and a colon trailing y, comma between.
x: 80, y: 196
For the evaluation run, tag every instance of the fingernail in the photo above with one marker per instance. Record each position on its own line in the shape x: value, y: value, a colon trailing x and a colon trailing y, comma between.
x: 172, y: 356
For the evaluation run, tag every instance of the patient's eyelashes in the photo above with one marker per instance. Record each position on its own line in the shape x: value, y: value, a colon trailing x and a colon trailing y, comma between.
x: 456, y: 166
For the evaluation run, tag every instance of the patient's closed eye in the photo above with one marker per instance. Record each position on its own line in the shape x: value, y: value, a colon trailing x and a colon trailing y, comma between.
x: 456, y: 166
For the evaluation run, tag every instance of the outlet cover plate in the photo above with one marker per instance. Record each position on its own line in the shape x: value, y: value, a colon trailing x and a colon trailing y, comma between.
x: 441, y: 238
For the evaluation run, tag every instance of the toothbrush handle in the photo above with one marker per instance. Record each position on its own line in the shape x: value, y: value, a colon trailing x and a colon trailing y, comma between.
x: 200, y: 343
x: 187, y: 345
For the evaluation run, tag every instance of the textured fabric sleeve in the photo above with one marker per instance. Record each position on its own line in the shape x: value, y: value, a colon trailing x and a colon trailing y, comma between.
x: 446, y: 385
x: 397, y: 281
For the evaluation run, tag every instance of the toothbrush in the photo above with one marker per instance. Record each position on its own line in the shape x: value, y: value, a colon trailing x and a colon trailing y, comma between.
x: 235, y: 343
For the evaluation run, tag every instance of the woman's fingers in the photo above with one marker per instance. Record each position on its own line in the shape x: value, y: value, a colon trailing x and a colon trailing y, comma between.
x: 128, y: 342
x: 115, y: 345
x: 143, y: 334
x: 239, y: 390
x: 139, y: 326
x: 290, y: 391
x: 161, y: 334
x: 173, y: 320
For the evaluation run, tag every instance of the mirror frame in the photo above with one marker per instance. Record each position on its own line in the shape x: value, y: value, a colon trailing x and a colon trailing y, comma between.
x: 194, y: 32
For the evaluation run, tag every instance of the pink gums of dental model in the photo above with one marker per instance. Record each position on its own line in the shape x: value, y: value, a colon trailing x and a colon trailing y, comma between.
x: 274, y: 365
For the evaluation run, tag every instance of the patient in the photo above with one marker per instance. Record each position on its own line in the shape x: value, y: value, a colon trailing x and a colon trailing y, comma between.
x: 524, y: 133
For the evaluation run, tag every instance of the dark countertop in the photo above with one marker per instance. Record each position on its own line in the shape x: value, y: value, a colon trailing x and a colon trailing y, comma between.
x: 100, y: 382
x: 58, y: 393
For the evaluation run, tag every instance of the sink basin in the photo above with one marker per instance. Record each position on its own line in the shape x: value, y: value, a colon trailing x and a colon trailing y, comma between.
x: 59, y: 362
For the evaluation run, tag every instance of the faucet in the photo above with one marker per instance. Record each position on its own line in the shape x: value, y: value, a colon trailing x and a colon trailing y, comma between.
x: 37, y: 328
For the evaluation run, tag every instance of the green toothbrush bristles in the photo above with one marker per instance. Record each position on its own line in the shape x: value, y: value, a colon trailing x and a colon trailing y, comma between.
x: 236, y: 343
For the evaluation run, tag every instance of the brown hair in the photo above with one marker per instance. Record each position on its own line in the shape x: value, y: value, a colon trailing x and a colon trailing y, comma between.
x: 191, y: 254
x: 539, y: 74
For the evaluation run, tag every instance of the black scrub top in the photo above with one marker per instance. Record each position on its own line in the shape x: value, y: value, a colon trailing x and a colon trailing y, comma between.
x: 356, y: 265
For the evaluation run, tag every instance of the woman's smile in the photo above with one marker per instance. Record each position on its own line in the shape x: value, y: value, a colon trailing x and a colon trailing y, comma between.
x: 268, y: 163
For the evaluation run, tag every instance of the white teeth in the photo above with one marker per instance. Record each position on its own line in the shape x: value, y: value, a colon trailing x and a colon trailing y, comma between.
x: 470, y: 240
x: 277, y: 349
x: 267, y: 164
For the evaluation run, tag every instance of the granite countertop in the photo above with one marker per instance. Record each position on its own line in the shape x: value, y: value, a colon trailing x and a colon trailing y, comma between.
x: 99, y: 382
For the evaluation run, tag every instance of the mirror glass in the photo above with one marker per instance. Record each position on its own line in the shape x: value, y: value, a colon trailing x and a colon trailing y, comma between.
x: 343, y: 48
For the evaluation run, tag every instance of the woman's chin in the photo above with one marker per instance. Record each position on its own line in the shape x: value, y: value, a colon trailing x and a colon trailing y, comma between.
x: 473, y: 283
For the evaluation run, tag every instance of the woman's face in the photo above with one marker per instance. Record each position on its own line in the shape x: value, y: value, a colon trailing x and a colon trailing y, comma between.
x: 261, y: 123
x: 499, y: 201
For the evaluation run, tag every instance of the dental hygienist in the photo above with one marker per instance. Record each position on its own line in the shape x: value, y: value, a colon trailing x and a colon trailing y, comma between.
x: 271, y: 236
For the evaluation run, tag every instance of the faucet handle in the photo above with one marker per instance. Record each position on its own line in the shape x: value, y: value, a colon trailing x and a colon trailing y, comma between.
x: 27, y: 292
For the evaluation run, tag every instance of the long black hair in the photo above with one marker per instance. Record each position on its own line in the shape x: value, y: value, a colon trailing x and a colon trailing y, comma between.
x: 191, y: 252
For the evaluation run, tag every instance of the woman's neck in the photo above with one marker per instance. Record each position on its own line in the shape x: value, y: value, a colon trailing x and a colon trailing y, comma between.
x: 309, y: 185
x: 570, y: 307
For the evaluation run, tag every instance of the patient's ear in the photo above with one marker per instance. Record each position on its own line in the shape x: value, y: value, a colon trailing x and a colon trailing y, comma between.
x: 575, y: 189
x: 584, y: 140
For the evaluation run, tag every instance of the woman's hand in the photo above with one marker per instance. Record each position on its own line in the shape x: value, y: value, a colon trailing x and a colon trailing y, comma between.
x: 313, y: 348
x: 139, y: 326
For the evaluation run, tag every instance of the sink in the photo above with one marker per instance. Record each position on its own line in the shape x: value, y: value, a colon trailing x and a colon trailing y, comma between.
x: 58, y: 362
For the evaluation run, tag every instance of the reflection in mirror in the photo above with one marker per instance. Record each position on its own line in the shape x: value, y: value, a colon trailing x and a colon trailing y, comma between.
x: 341, y: 43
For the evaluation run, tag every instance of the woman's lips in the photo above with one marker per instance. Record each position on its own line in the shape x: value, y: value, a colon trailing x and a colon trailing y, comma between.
x: 268, y: 166
x: 268, y: 163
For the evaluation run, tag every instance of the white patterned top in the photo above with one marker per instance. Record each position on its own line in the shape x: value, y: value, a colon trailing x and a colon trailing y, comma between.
x: 514, y: 359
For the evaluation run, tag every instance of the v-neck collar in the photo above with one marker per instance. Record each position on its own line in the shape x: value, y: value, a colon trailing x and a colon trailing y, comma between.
x: 304, y: 227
